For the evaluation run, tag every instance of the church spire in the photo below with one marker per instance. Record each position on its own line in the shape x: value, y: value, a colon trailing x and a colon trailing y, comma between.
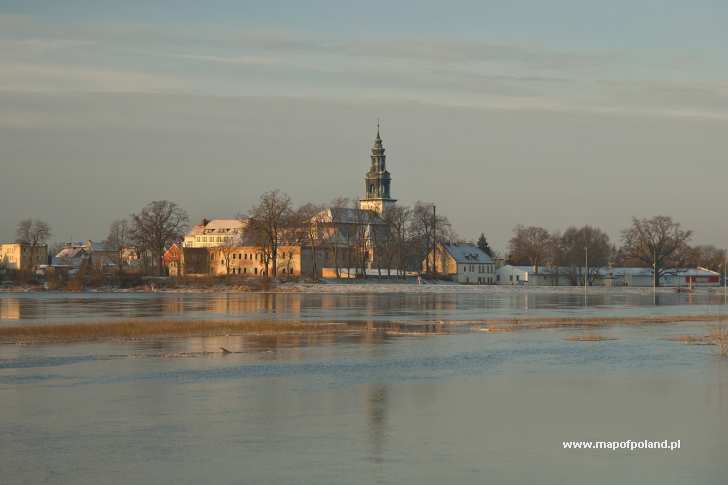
x: 377, y: 180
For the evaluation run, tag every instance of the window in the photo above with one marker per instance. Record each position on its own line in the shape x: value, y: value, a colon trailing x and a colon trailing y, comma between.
x: 497, y: 277
x: 256, y: 270
x: 518, y: 277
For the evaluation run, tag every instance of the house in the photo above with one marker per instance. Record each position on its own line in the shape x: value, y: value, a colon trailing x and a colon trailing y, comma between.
x: 464, y: 263
x: 172, y: 259
x: 215, y: 232
x: 71, y: 256
x: 101, y: 255
x: 22, y: 257
x: 96, y: 253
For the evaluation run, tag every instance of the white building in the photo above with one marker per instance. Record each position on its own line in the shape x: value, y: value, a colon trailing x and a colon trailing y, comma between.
x: 684, y: 277
x: 464, y: 263
x: 613, y: 277
x: 215, y: 232
x: 512, y: 275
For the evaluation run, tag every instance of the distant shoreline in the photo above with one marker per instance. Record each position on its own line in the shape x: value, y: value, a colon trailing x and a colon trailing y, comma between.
x: 375, y: 286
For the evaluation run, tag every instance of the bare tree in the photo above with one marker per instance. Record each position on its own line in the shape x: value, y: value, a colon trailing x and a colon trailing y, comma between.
x: 118, y: 238
x: 34, y: 233
x: 268, y: 225
x: 422, y: 227
x: 659, y: 243
x: 157, y: 226
x: 310, y: 226
x: 707, y: 256
x: 398, y: 220
x: 577, y: 244
x: 530, y: 244
x: 119, y: 234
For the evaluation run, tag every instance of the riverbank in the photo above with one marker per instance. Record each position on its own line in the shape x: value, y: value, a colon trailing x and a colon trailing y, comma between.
x: 373, y: 286
x: 135, y: 329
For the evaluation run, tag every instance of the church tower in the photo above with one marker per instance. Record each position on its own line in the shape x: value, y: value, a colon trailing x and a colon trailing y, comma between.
x: 377, y: 181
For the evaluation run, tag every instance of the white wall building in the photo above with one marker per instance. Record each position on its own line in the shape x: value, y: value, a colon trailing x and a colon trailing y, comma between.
x: 512, y: 275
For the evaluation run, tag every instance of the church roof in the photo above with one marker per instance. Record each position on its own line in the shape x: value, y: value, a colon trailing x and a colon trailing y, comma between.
x: 346, y: 215
x: 467, y: 253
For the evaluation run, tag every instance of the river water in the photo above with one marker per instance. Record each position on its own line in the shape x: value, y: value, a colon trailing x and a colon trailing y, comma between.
x: 362, y: 408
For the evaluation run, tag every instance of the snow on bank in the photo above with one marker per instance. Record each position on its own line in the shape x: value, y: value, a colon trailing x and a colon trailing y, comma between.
x: 446, y: 288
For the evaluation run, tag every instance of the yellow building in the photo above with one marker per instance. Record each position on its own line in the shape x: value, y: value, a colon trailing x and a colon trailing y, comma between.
x: 22, y: 257
x: 293, y: 260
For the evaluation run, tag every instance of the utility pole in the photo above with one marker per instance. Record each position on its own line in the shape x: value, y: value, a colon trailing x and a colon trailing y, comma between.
x: 725, y: 282
x: 586, y: 270
x: 654, y: 276
x: 434, y: 239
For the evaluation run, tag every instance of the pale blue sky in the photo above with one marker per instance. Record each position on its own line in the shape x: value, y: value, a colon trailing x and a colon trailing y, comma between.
x: 550, y: 113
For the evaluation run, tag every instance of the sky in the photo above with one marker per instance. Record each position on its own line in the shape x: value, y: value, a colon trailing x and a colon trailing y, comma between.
x: 551, y: 113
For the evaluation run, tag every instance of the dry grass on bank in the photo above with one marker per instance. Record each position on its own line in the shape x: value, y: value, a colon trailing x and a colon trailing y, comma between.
x: 588, y: 338
x: 531, y: 323
x: 691, y: 339
x: 135, y: 329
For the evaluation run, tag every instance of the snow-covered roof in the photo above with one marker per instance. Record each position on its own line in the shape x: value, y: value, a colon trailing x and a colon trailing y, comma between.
x: 218, y: 227
x: 346, y: 215
x: 70, y: 253
x: 618, y: 271
x: 467, y: 253
x: 97, y: 246
x: 224, y: 226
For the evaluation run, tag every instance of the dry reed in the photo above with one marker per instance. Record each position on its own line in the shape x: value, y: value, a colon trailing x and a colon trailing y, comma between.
x: 133, y: 329
x: 588, y: 338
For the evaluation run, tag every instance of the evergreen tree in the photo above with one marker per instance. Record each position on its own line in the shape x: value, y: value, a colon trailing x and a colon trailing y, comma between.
x: 483, y: 245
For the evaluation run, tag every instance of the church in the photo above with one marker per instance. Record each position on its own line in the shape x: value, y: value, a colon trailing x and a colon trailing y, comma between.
x: 346, y: 241
x: 352, y: 236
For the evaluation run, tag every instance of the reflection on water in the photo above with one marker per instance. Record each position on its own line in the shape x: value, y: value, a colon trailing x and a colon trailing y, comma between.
x: 37, y: 307
x: 9, y: 309
x: 377, y: 413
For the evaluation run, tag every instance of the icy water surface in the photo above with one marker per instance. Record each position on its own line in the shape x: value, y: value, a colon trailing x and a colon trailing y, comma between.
x: 372, y: 408
x: 377, y: 306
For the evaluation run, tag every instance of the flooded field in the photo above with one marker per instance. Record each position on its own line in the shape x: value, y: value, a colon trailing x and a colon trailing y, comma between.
x: 364, y: 408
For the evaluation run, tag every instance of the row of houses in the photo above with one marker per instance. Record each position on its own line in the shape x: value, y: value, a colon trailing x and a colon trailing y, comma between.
x: 71, y: 257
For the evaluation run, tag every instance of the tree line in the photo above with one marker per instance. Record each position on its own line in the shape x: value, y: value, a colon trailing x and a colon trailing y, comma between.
x: 658, y: 242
